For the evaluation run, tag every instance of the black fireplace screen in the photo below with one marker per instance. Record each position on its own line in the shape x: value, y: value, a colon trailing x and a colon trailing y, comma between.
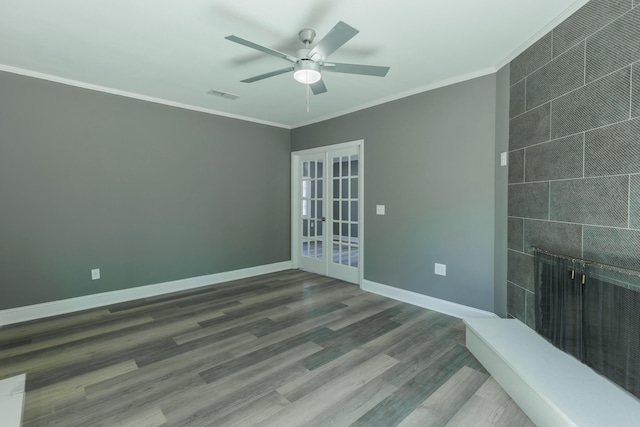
x: 591, y: 311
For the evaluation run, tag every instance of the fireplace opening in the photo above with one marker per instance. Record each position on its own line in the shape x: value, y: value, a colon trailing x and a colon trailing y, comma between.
x: 591, y: 311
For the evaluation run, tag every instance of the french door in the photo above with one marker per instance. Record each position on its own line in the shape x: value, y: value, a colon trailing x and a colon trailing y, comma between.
x: 327, y: 217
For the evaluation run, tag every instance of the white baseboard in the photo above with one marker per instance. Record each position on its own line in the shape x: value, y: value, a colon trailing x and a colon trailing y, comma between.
x: 446, y: 307
x: 54, y: 308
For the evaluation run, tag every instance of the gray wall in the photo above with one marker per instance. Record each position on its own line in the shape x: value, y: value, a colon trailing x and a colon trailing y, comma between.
x: 430, y: 158
x: 148, y: 193
x: 501, y: 188
x: 574, y: 175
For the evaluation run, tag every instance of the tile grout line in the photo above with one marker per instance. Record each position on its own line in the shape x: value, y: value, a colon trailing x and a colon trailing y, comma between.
x: 584, y: 151
x: 629, y: 204
x: 541, y: 66
x: 610, y: 22
x: 564, y: 52
x: 520, y: 252
x: 631, y: 92
x: 549, y: 205
x: 520, y: 286
x: 555, y: 221
x: 573, y: 179
x: 523, y: 234
x: 525, y: 308
x: 584, y: 65
x: 524, y: 165
x: 525, y: 94
x: 550, y: 119
x: 577, y: 133
x: 574, y: 90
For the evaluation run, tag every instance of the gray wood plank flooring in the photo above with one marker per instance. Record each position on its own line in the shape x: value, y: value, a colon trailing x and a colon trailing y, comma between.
x: 284, y: 349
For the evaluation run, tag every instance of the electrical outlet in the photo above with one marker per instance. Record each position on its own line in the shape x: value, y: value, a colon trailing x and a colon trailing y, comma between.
x: 441, y: 269
x: 380, y: 210
x: 95, y: 274
x: 503, y: 158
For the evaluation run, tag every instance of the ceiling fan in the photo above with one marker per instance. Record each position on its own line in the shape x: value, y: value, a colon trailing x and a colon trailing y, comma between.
x: 309, y: 62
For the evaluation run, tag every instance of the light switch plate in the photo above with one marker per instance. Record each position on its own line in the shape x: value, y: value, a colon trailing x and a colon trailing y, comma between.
x: 95, y: 274
x: 503, y: 158
x: 440, y: 269
x: 380, y: 210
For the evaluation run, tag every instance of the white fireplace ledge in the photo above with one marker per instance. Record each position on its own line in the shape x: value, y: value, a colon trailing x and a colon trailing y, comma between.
x: 12, y: 400
x: 551, y: 387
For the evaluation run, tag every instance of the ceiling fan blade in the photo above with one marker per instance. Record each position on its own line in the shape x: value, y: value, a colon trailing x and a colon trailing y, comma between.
x: 267, y: 75
x: 318, y: 87
x: 339, y: 35
x: 266, y: 50
x: 367, y: 70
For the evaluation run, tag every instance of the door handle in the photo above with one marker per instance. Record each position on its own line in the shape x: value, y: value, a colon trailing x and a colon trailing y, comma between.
x: 324, y: 219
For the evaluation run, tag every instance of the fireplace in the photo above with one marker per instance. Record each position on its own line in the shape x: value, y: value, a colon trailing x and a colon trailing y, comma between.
x: 591, y: 311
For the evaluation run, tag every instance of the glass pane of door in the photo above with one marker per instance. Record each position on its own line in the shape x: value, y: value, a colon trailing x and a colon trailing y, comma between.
x: 312, y: 209
x: 345, y: 228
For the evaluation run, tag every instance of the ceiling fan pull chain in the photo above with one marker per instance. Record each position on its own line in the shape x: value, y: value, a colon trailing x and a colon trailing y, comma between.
x: 307, y: 98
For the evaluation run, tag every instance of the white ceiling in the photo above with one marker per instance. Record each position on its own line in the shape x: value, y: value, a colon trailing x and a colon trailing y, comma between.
x: 174, y: 51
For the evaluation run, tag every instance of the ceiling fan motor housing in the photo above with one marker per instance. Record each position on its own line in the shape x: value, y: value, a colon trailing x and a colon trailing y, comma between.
x: 303, y: 54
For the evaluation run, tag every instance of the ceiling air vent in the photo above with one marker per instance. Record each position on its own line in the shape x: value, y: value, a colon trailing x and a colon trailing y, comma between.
x: 224, y: 95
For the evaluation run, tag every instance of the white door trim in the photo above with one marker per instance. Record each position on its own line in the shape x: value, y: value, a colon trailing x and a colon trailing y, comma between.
x: 295, y: 207
x: 357, y: 143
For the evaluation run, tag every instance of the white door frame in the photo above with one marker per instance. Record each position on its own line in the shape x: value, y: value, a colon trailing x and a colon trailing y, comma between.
x: 295, y: 206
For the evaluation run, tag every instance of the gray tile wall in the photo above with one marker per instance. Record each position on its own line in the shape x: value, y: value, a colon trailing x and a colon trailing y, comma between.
x: 635, y: 83
x: 574, y: 159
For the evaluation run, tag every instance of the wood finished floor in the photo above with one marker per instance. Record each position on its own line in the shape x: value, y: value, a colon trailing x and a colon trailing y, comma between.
x: 284, y: 349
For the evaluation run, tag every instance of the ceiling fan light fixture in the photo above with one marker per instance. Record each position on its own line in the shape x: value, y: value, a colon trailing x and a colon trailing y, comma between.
x: 306, y: 72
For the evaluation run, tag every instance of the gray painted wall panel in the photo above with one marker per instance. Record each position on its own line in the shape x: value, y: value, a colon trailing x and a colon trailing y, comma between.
x: 147, y: 193
x: 501, y: 190
x: 437, y: 180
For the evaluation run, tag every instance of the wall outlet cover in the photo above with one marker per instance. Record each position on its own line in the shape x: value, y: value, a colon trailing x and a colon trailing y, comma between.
x: 95, y: 274
x: 441, y: 269
x: 380, y: 209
